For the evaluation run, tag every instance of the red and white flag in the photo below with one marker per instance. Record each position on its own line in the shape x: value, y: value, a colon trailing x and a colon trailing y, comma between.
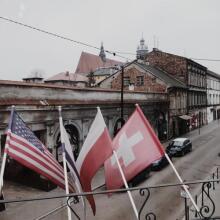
x: 95, y: 150
x: 137, y: 146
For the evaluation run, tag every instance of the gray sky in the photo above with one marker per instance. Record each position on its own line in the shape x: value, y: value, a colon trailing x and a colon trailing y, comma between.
x: 184, y: 27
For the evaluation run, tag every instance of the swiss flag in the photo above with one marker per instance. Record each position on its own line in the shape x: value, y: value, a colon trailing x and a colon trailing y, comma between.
x: 137, y: 146
x: 95, y: 150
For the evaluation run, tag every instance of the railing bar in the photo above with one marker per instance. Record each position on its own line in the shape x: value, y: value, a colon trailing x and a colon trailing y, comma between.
x: 106, y: 191
x: 213, y: 186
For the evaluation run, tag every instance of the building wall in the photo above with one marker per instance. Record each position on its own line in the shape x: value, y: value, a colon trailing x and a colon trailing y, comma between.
x: 37, y: 106
x: 141, y: 81
x: 170, y: 63
x: 178, y: 102
x: 213, y: 97
x: 79, y: 84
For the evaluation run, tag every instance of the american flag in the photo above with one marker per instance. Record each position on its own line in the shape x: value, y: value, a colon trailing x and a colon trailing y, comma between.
x: 24, y: 147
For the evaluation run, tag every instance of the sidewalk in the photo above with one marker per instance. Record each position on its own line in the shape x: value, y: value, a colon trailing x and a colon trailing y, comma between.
x: 214, y: 194
x: 208, y: 206
x: 194, y: 134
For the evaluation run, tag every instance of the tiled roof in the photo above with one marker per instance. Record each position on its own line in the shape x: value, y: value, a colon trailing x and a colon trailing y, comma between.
x: 90, y: 62
x: 67, y: 76
x: 171, y: 81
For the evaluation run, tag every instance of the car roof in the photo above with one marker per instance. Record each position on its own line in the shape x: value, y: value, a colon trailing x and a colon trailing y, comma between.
x: 181, y: 139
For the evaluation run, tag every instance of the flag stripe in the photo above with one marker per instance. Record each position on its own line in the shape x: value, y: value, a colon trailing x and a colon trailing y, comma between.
x: 34, y: 156
x: 39, y: 162
x: 29, y: 162
x: 44, y: 155
x: 95, y: 131
x: 71, y: 163
x: 29, y: 149
x: 26, y: 148
x: 95, y: 150
x: 88, y: 170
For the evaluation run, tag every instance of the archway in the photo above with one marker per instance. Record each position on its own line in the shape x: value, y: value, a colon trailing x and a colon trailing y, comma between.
x: 74, y: 141
x: 118, y: 125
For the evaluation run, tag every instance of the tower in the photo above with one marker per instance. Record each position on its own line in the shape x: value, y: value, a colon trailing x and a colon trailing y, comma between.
x: 142, y: 50
x: 102, y: 53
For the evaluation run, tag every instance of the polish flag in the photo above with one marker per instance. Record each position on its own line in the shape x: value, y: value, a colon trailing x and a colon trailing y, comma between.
x: 95, y: 150
x: 136, y: 146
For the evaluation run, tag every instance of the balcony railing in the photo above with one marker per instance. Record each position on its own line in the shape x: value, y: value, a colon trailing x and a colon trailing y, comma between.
x: 206, y: 203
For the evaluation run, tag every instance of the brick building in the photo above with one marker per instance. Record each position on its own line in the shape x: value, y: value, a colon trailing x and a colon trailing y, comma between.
x: 193, y: 75
x: 141, y: 77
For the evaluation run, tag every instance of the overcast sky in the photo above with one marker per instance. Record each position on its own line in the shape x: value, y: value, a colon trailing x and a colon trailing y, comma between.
x: 184, y: 27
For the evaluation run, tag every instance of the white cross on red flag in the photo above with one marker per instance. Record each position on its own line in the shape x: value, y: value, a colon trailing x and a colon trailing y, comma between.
x: 137, y: 146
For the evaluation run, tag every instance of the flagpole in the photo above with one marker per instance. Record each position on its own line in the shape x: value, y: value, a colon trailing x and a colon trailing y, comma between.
x: 126, y: 185
x: 5, y: 151
x: 184, y: 186
x: 64, y: 162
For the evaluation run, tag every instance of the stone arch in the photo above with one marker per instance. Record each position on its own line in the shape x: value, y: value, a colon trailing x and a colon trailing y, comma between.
x: 75, y: 136
x: 117, y: 125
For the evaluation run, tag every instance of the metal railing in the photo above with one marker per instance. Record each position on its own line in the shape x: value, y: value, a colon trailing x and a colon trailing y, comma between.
x: 206, y: 204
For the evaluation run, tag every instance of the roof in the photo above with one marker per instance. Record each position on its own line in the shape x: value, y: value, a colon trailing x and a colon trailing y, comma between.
x: 177, y: 56
x: 216, y: 75
x: 180, y: 139
x: 90, y: 62
x: 66, y: 76
x: 171, y: 81
x: 105, y: 71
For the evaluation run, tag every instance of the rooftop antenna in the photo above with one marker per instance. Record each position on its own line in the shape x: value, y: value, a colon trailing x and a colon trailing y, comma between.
x: 184, y: 52
x: 158, y: 43
x: 154, y: 41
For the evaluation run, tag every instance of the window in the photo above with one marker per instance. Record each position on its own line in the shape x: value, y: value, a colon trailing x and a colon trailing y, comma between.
x: 126, y: 81
x: 140, y: 80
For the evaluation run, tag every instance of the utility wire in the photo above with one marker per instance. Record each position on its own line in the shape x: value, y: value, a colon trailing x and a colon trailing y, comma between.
x: 61, y: 37
x: 114, y: 53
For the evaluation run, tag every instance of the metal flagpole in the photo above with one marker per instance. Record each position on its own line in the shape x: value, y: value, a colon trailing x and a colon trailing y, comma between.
x: 126, y: 185
x: 184, y: 186
x: 64, y: 162
x: 5, y: 151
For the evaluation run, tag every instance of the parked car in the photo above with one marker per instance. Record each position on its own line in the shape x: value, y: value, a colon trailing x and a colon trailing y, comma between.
x: 140, y: 177
x: 180, y: 146
x: 162, y: 162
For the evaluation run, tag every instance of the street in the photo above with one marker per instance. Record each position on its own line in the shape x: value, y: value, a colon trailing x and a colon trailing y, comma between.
x: 165, y: 203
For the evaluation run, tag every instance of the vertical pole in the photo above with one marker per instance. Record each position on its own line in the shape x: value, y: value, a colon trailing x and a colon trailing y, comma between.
x: 64, y: 161
x: 180, y: 179
x: 122, y: 96
x: 126, y: 185
x: 5, y: 151
x: 196, y: 200
x: 185, y: 208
